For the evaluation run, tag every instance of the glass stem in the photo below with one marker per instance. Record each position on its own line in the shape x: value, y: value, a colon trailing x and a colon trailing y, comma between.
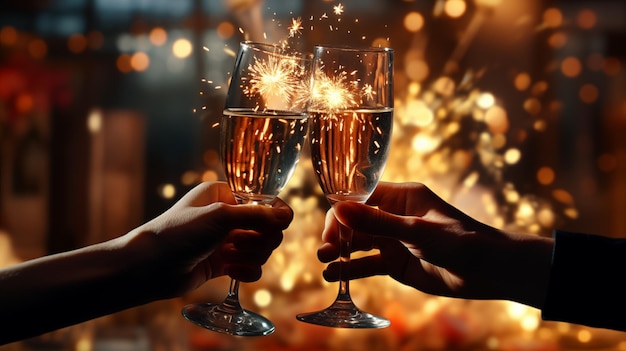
x: 231, y: 302
x: 345, y: 242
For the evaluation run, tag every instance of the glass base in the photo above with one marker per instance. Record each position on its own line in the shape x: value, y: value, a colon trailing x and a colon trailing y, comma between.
x: 343, y: 314
x: 222, y: 319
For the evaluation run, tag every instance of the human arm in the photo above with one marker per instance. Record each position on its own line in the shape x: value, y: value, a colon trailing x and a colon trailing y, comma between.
x: 203, y: 236
x: 428, y: 244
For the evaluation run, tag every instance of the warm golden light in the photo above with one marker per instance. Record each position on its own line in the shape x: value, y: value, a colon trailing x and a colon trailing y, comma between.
x: 532, y: 106
x: 182, y: 48
x: 522, y: 81
x: 557, y: 40
x: 584, y: 336
x: 586, y: 19
x: 210, y: 176
x: 571, y: 67
x: 94, y: 121
x: 140, y: 61
x: 158, y: 36
x: 545, y: 175
x: 262, y: 298
x: 588, y: 93
x: 167, y: 191
x: 455, y: 8
x: 123, y: 63
x: 553, y: 17
x: 225, y: 30
x: 413, y: 21
x: 497, y: 120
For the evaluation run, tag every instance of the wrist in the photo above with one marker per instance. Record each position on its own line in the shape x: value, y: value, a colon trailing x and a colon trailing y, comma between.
x: 531, y: 275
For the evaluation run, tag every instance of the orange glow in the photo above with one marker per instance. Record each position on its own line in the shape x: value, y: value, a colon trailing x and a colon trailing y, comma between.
x: 545, y: 175
x: 553, y: 17
x: 158, y: 36
x: 539, y: 88
x: 588, y: 93
x: 139, y: 61
x: 571, y: 67
x: 522, y: 81
x: 8, y: 35
x: 415, y: 67
x: 209, y: 176
x: 189, y: 178
x: 413, y: 21
x: 455, y: 8
x: 24, y: 103
x: 557, y: 40
x: 123, y: 63
x: 225, y: 30
x: 532, y: 106
x: 586, y: 19
x: 77, y: 43
x: 563, y: 196
x: 381, y: 43
x: 38, y: 48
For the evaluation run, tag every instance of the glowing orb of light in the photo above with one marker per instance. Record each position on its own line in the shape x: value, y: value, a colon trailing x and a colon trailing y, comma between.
x: 497, y: 120
x: 182, y: 48
x: 413, y: 21
x: 262, y: 298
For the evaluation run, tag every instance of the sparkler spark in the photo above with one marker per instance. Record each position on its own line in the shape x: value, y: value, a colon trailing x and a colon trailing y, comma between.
x: 276, y: 79
x: 338, y: 9
x: 296, y: 27
x: 333, y: 93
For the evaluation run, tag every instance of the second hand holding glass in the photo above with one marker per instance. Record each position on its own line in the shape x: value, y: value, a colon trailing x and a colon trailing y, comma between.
x: 262, y: 134
x: 351, y: 114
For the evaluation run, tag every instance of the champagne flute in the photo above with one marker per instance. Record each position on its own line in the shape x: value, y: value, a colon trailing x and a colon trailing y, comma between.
x: 263, y: 129
x: 350, y: 124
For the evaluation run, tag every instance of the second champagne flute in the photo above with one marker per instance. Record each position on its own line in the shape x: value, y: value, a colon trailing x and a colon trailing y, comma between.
x: 263, y: 129
x: 350, y: 117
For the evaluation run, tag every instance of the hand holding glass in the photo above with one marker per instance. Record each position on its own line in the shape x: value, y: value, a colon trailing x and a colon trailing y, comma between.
x: 263, y: 129
x: 351, y: 113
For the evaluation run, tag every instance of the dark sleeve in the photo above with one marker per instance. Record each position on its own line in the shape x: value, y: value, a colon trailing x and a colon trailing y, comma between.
x: 587, y: 281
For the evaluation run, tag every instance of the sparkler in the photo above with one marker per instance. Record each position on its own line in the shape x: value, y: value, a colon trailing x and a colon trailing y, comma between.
x: 277, y: 80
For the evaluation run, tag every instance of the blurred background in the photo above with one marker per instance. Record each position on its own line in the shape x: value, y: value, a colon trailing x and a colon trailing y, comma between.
x: 514, y: 111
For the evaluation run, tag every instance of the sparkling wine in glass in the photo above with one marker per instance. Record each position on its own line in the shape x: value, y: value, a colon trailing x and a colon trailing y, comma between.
x: 350, y: 124
x: 262, y: 132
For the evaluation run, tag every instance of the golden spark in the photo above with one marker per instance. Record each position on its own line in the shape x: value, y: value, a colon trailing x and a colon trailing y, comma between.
x: 296, y: 27
x: 276, y: 77
x: 338, y: 9
x: 368, y: 92
x: 333, y: 93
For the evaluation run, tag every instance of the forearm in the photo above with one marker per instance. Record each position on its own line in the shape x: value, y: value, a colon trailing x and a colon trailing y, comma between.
x: 64, y: 289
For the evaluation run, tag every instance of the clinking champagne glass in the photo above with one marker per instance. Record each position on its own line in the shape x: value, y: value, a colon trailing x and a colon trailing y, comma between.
x: 263, y: 130
x: 350, y: 124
